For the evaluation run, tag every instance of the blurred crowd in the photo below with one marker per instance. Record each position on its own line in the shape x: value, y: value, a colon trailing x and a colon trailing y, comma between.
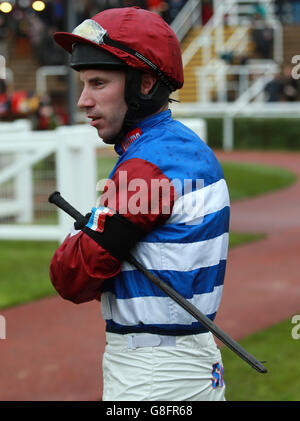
x: 283, y: 87
x: 45, y: 113
x: 24, y: 32
x: 262, y: 36
x: 32, y: 32
x: 23, y: 23
x: 288, y: 11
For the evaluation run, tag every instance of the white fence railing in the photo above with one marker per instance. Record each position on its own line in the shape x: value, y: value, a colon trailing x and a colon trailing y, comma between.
x: 74, y: 147
x: 242, y: 13
x: 215, y: 77
x: 211, y: 42
x: 76, y: 169
x: 189, y: 15
x: 229, y: 111
x: 20, y: 188
x: 42, y: 74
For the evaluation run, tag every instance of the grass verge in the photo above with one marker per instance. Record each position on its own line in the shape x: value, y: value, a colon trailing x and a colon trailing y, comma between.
x: 277, y: 347
x: 248, y: 180
x: 239, y: 238
x: 24, y: 273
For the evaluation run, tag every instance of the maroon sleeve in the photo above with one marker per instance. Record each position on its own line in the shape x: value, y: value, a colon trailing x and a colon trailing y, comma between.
x: 139, y: 191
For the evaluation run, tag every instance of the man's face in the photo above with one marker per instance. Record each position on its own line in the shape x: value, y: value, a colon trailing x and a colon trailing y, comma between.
x: 102, y: 98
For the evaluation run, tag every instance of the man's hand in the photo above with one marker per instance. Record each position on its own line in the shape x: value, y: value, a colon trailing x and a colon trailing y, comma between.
x: 81, y: 223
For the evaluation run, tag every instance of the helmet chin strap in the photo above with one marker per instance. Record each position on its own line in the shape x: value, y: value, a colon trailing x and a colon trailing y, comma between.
x: 139, y: 105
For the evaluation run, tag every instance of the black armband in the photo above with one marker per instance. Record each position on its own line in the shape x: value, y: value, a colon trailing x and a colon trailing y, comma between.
x: 112, y: 231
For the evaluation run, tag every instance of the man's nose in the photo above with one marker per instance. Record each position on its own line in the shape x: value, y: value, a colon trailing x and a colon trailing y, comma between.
x: 85, y: 100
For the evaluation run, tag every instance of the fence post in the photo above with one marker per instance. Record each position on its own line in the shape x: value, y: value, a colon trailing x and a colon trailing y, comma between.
x: 23, y: 191
x: 23, y: 183
x: 228, y: 132
x: 2, y: 67
x: 2, y: 327
x: 76, y: 171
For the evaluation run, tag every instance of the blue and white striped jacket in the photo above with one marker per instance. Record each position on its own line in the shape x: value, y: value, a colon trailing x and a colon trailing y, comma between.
x: 188, y: 251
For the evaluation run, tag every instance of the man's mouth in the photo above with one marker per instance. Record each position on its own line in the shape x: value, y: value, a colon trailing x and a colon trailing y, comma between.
x: 94, y: 120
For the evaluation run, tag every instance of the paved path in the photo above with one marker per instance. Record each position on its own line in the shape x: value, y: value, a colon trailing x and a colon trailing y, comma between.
x: 262, y: 279
x: 53, y: 348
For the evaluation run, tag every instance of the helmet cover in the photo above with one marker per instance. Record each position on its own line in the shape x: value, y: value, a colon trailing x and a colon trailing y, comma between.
x: 144, y: 32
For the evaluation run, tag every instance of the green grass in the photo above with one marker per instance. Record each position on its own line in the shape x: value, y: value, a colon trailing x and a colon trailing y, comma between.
x: 247, y: 180
x: 276, y: 346
x: 105, y: 166
x: 239, y: 238
x: 24, y: 272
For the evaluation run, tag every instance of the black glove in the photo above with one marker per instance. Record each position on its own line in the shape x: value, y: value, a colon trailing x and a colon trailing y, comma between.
x: 81, y: 223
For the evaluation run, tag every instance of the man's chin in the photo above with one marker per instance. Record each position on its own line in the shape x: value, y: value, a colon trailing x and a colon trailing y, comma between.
x: 110, y: 140
x: 106, y: 139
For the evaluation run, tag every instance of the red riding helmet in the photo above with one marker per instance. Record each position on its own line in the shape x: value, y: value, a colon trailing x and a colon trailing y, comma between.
x: 141, y: 39
x: 137, y: 41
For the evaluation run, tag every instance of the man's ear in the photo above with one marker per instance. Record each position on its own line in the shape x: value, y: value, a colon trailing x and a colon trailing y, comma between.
x: 148, y: 81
